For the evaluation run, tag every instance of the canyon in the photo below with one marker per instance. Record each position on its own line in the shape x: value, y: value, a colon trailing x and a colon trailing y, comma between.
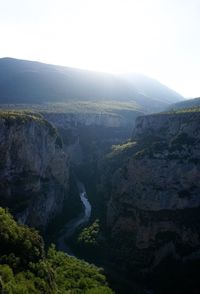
x: 113, y: 181
x: 144, y: 192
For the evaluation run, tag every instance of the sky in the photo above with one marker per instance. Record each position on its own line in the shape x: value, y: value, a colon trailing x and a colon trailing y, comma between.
x: 158, y: 38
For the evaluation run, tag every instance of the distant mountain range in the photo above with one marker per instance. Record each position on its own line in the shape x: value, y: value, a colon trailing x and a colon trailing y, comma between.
x: 31, y: 82
x: 190, y: 103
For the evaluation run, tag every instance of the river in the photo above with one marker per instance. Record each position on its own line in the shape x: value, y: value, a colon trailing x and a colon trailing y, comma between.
x: 116, y: 278
x: 70, y: 228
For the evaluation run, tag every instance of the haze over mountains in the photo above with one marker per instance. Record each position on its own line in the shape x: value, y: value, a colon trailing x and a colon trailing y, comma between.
x: 190, y: 103
x: 70, y: 137
x: 31, y: 82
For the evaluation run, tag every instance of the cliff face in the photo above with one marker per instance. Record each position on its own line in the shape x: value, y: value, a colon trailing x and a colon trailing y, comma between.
x: 34, y: 170
x: 87, y: 119
x: 154, y: 208
x: 86, y: 136
x: 167, y: 125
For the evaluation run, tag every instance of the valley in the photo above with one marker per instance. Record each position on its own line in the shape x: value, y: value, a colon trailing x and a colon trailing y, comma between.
x: 108, y: 171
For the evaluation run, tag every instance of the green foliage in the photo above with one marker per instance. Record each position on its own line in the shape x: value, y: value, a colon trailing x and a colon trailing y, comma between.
x: 13, y: 117
x: 19, y: 116
x: 24, y: 268
x: 19, y: 244
x: 117, y: 149
x: 118, y: 157
x: 89, y: 235
x: 15, y: 284
x: 76, y: 276
x: 183, y: 110
x: 94, y: 106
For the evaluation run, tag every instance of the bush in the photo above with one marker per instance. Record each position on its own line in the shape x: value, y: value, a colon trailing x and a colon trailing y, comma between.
x: 90, y: 234
x: 25, y: 268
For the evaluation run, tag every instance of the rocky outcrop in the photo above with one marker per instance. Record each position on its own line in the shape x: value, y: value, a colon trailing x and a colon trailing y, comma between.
x: 154, y: 208
x: 34, y: 170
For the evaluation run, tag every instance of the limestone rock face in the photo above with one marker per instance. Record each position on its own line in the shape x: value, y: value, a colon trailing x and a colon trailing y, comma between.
x: 154, y: 208
x: 86, y: 135
x: 167, y: 125
x: 86, y: 119
x: 34, y: 170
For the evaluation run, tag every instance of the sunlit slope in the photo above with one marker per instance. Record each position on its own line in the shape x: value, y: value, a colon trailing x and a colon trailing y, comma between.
x: 152, y: 88
x: 33, y: 82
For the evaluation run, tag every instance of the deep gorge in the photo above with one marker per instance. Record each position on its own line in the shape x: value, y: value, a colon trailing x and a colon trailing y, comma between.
x: 143, y: 227
x: 142, y: 222
x: 107, y: 169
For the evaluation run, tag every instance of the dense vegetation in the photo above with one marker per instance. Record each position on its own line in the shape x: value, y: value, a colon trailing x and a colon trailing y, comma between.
x: 185, y: 110
x: 19, y: 116
x: 100, y: 107
x: 89, y: 235
x: 120, y: 148
x: 25, y: 267
x: 12, y: 117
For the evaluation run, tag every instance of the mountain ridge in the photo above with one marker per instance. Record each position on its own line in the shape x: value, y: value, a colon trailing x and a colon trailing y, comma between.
x: 187, y: 104
x: 23, y: 81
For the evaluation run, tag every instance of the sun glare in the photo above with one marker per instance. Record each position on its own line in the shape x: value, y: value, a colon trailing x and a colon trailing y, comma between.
x: 151, y: 37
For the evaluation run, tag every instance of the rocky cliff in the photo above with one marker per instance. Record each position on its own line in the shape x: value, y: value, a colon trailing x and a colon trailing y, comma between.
x: 87, y: 119
x: 34, y: 170
x: 88, y: 135
x: 152, y: 187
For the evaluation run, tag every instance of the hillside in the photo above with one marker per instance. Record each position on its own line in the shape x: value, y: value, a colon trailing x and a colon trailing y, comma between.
x: 190, y: 103
x: 33, y: 82
x: 152, y: 88
x: 25, y: 267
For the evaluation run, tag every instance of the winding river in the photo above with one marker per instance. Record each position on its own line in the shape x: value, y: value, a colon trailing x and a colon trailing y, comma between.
x: 70, y: 228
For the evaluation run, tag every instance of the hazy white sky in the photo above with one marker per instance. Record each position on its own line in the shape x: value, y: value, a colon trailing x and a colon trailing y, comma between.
x: 159, y: 38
